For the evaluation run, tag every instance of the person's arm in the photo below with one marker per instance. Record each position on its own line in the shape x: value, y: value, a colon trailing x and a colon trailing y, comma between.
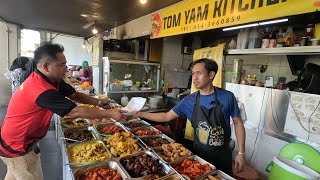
x: 241, y: 138
x: 92, y: 113
x: 57, y: 103
x: 157, y: 117
x: 186, y: 92
x: 86, y: 99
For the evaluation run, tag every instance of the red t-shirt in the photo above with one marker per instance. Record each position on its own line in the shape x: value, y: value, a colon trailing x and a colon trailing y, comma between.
x: 29, y: 113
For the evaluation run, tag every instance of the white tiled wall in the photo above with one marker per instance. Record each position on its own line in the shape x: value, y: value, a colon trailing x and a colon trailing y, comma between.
x: 174, y: 64
x: 277, y: 65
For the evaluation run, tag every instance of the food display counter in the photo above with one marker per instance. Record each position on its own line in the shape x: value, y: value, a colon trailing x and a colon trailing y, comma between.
x: 124, y: 150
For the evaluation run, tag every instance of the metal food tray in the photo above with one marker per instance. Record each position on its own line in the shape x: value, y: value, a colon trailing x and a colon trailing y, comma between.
x: 163, y: 136
x: 74, y: 120
x: 89, y: 128
x: 223, y: 175
x: 105, y: 164
x: 196, y: 158
x: 100, y: 121
x: 174, y: 177
x: 98, y: 126
x: 167, y: 169
x: 159, y: 152
x: 75, y: 164
x: 138, y: 120
x: 138, y: 141
x: 150, y: 128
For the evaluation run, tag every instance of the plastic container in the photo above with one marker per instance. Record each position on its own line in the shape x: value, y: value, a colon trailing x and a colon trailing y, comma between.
x: 134, y: 105
x: 254, y: 39
x: 302, y: 154
x: 156, y: 102
x: 124, y: 100
x: 286, y: 169
x: 243, y: 39
x: 315, y: 42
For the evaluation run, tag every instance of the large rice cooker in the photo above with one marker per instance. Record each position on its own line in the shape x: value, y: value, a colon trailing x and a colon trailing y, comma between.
x: 296, y: 161
x: 155, y: 102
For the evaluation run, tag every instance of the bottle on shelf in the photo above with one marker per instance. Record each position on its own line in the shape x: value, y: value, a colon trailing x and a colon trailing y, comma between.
x: 243, y: 77
x: 266, y: 39
x: 255, y: 38
x: 124, y: 100
x: 243, y: 39
x: 307, y: 36
x: 273, y: 39
x: 239, y: 39
x: 288, y: 37
x: 280, y: 41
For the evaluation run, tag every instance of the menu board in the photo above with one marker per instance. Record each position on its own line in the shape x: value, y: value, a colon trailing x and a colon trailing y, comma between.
x: 303, y: 115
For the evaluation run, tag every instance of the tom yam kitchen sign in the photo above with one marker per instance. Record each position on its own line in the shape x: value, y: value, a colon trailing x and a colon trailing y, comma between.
x: 198, y: 15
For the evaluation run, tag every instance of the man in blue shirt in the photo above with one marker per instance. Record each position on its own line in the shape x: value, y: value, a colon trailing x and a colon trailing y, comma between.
x: 209, y: 111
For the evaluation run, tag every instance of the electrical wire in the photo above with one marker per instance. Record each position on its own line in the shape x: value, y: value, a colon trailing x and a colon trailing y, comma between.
x: 255, y: 142
x: 271, y: 103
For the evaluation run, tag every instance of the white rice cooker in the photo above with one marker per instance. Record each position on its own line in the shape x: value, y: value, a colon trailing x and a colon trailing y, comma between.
x: 155, y: 102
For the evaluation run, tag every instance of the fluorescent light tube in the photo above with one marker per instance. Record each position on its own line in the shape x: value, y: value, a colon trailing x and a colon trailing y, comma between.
x: 273, y: 21
x: 240, y: 27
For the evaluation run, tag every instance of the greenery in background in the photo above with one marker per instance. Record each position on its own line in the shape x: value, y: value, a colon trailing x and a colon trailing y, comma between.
x: 30, y: 40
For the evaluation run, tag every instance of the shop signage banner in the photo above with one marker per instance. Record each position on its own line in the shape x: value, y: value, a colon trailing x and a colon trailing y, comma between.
x: 198, y: 15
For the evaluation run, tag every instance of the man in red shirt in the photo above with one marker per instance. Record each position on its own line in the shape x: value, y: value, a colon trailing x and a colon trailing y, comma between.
x: 31, y: 108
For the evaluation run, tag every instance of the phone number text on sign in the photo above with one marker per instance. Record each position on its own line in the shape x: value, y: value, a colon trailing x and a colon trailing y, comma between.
x: 211, y: 24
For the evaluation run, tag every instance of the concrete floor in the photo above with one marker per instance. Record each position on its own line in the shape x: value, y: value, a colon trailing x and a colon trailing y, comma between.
x: 50, y: 155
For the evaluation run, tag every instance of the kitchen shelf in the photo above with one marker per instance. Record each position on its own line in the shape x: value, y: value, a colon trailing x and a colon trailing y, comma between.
x: 303, y: 50
x: 124, y: 92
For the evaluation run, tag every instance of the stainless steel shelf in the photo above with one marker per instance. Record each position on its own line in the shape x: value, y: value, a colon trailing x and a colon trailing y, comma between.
x: 123, y: 92
x: 303, y: 50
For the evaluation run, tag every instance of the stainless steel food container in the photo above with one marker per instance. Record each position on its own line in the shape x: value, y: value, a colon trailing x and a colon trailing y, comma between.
x: 105, y: 164
x: 142, y: 148
x: 222, y: 174
x: 75, y: 164
x: 159, y: 152
x: 125, y: 124
x: 168, y: 171
x: 150, y: 128
x: 65, y: 122
x: 196, y: 158
x: 99, y: 126
x: 174, y: 177
x: 89, y: 128
x: 163, y: 136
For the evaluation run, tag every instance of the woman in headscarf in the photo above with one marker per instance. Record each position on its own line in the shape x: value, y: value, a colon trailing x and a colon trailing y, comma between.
x: 86, y: 73
x: 18, y: 66
x: 25, y: 74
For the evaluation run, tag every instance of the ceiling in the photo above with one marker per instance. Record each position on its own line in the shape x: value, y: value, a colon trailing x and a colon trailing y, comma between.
x: 63, y: 16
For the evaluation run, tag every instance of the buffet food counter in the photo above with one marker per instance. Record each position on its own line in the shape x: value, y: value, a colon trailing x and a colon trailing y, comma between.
x: 125, y: 150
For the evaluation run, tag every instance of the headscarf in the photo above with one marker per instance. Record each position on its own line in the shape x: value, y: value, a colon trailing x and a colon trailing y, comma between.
x: 85, y: 64
x: 32, y: 67
x: 19, y: 62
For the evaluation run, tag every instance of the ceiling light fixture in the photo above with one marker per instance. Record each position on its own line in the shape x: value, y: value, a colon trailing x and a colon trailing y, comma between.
x: 256, y: 24
x: 240, y: 27
x: 94, y: 30
x: 273, y: 21
x: 143, y: 1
